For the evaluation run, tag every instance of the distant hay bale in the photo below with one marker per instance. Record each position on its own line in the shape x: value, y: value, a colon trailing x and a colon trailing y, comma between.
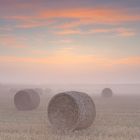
x: 48, y: 90
x: 71, y: 110
x: 39, y: 91
x: 27, y: 99
x: 48, y: 94
x: 107, y: 92
x: 13, y: 90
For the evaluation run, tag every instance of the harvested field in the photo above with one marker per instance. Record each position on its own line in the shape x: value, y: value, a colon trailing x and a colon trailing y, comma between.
x: 118, y: 118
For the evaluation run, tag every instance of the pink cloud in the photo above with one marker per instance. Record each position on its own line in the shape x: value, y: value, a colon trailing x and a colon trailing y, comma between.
x: 11, y: 42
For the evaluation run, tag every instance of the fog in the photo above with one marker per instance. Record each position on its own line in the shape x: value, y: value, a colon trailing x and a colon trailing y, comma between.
x: 93, y: 89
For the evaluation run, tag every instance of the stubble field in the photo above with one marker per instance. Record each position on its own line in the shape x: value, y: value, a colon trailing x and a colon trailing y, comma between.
x: 117, y: 118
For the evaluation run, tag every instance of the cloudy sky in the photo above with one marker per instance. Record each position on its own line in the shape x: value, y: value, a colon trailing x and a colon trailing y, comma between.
x: 70, y: 41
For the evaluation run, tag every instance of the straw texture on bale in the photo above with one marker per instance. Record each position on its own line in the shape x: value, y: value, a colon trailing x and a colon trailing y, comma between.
x: 71, y: 110
x: 107, y: 92
x: 27, y: 99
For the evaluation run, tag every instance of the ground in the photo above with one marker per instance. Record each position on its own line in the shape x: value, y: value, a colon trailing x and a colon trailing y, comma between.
x: 118, y: 118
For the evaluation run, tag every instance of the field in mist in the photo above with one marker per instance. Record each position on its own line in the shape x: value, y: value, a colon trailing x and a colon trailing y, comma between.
x: 118, y: 118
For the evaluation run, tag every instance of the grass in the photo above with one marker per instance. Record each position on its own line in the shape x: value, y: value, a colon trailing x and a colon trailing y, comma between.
x: 118, y: 118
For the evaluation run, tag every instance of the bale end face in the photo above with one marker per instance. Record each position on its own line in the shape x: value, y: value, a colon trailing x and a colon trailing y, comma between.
x: 107, y: 92
x: 27, y: 99
x: 71, y: 111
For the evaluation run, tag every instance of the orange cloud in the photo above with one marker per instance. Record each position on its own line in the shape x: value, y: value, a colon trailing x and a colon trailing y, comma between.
x: 68, y: 32
x: 63, y: 41
x: 129, y: 60
x: 92, y: 14
x: 87, y: 16
x: 78, y: 16
x: 55, y: 58
x: 64, y: 58
x: 124, y: 32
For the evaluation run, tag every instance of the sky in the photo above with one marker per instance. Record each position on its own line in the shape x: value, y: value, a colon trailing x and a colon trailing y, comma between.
x: 70, y: 41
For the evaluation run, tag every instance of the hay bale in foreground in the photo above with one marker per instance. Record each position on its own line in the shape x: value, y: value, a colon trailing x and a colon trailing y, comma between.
x: 27, y: 99
x: 107, y: 92
x: 71, y: 111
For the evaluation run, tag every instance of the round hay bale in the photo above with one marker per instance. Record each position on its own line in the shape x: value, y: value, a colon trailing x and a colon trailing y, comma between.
x: 39, y: 91
x: 107, y: 92
x: 13, y: 90
x: 27, y: 99
x: 48, y: 90
x: 71, y: 110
